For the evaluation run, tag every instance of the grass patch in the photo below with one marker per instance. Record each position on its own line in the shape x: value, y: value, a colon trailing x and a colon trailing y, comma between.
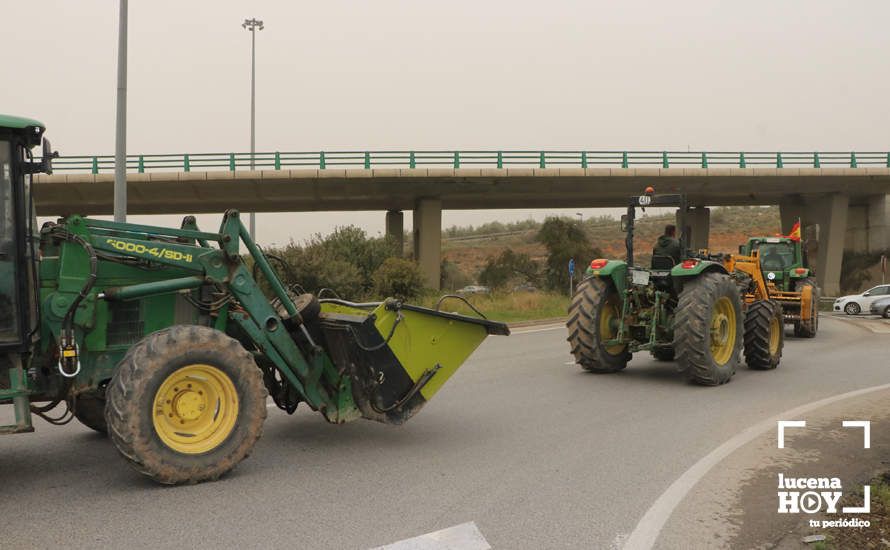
x: 510, y: 307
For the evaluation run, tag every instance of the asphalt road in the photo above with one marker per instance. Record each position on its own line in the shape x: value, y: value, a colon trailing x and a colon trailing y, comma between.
x: 538, y: 453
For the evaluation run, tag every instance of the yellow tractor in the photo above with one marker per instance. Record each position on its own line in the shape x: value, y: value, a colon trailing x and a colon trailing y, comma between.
x: 764, y: 325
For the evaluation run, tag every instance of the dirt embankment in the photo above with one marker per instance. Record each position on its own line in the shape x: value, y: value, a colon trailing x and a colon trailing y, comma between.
x: 730, y: 227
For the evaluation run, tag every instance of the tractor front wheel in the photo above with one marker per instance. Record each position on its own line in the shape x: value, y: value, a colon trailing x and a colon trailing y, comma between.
x: 708, y: 329
x: 808, y: 328
x: 186, y: 405
x: 594, y: 317
x: 764, y: 335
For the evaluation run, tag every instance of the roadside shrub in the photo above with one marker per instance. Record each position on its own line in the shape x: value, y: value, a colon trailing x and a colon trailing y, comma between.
x: 452, y: 276
x: 342, y: 261
x: 507, y: 267
x: 398, y: 278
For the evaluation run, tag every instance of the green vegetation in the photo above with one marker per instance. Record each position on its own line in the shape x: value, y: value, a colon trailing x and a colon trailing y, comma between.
x: 510, y: 267
x: 564, y: 239
x: 490, y: 228
x: 502, y: 256
x: 509, y: 307
x: 398, y: 278
x: 344, y: 261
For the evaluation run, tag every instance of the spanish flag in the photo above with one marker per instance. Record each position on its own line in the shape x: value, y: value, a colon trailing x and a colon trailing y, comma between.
x: 795, y: 231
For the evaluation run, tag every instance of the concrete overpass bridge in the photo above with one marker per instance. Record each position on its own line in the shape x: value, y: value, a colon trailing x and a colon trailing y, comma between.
x: 845, y: 194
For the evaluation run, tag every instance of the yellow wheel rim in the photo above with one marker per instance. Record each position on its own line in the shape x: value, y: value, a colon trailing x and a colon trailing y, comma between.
x: 609, y: 317
x: 775, y: 333
x: 195, y: 409
x: 723, y: 330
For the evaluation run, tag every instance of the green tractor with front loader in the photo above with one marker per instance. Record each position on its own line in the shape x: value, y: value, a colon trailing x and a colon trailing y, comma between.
x: 792, y: 282
x: 165, y: 339
x: 704, y: 311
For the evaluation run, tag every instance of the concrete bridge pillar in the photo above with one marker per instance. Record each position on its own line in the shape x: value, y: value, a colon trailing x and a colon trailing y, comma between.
x: 878, y: 220
x: 698, y: 220
x: 395, y: 229
x: 830, y: 213
x: 428, y: 239
x: 791, y: 209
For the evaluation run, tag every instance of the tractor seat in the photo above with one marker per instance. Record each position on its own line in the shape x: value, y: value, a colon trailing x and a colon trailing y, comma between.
x: 663, y: 263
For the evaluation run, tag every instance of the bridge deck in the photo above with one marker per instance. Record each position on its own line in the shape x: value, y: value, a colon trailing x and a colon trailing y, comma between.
x: 335, y: 189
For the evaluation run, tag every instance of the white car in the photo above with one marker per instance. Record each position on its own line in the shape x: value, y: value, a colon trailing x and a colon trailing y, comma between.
x: 857, y: 303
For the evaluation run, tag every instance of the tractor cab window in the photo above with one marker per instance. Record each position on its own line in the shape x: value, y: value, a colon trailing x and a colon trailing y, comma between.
x: 776, y: 256
x: 9, y: 318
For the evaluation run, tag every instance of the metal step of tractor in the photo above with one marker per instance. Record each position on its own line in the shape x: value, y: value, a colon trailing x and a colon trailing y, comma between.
x: 14, y: 429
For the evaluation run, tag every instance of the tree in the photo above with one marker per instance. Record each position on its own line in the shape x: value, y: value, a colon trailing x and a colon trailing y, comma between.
x: 509, y: 266
x: 398, y: 278
x: 564, y: 239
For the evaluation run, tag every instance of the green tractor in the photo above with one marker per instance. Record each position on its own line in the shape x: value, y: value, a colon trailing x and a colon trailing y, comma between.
x: 164, y: 338
x: 693, y: 311
x: 784, y: 260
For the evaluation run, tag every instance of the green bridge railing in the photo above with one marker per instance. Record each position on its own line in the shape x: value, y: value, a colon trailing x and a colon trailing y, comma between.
x: 278, y: 160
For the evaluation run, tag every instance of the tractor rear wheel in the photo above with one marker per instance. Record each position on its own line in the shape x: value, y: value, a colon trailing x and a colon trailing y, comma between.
x: 708, y: 329
x: 594, y: 316
x: 764, y: 335
x: 808, y: 328
x: 89, y: 409
x: 186, y: 404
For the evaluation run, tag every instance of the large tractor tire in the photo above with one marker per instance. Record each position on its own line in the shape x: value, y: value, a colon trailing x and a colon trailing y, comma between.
x: 807, y: 329
x: 186, y: 405
x: 89, y: 410
x: 594, y: 315
x: 764, y: 335
x: 708, y: 329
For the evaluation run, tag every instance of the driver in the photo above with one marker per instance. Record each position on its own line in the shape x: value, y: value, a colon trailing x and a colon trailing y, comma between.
x: 668, y: 245
x: 772, y: 259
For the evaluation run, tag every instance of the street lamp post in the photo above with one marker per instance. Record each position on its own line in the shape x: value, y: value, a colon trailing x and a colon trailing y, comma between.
x: 252, y: 25
x: 120, y: 132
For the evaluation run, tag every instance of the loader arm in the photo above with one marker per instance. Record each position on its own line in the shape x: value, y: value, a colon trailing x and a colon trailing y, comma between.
x: 196, y: 264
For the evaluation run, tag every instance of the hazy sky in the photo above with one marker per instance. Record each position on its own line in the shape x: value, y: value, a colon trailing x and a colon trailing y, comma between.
x: 461, y: 74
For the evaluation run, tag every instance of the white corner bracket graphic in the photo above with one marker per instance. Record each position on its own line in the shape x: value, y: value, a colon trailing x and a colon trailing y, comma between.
x: 788, y: 424
x: 866, y: 503
x: 866, y: 430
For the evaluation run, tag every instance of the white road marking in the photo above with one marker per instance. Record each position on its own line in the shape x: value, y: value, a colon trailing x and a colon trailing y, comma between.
x: 650, y: 525
x: 465, y: 536
x: 542, y: 329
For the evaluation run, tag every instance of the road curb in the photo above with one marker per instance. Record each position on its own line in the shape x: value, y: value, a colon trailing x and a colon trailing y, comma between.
x: 875, y: 326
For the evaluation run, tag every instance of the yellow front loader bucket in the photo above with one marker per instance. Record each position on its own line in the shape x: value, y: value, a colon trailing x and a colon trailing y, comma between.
x: 398, y: 355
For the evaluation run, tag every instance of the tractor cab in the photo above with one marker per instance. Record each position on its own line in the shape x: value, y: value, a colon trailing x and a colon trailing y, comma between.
x: 17, y: 230
x: 661, y: 265
x: 782, y: 259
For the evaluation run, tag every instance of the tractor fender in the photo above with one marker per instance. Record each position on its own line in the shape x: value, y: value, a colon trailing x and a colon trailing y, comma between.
x: 615, y: 270
x: 702, y: 266
x: 680, y: 274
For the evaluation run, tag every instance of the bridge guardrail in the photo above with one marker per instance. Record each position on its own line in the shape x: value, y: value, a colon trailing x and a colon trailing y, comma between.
x: 278, y: 160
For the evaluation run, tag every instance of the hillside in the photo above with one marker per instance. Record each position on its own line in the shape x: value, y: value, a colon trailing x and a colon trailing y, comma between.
x: 468, y: 248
